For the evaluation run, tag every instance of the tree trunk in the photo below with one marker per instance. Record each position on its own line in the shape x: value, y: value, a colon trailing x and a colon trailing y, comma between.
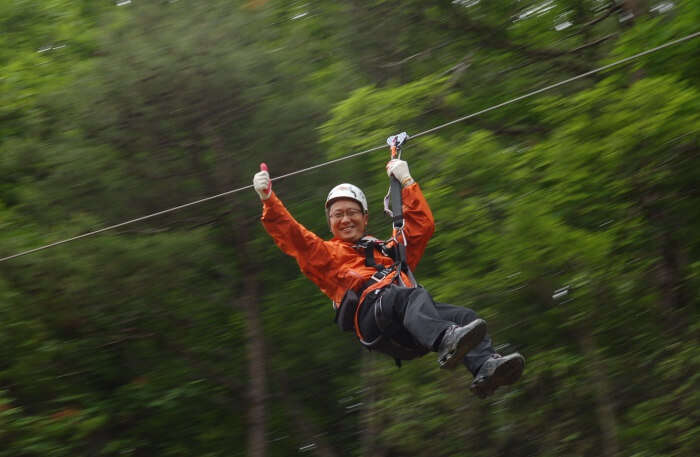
x: 257, y: 393
x: 605, y: 410
x: 239, y: 236
x: 668, y: 272
x: 670, y: 281
x: 255, y: 344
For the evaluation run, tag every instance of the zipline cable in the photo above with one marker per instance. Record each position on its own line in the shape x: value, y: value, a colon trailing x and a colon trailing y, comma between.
x: 176, y: 208
x: 560, y: 83
x: 357, y: 154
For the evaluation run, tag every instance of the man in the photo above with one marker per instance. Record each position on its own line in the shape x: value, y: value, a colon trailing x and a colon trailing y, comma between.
x: 401, y: 319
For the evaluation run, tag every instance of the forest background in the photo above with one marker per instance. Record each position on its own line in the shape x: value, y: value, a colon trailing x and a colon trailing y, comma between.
x: 191, y: 334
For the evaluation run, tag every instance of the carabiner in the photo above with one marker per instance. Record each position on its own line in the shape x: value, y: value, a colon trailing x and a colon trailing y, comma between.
x: 395, y: 142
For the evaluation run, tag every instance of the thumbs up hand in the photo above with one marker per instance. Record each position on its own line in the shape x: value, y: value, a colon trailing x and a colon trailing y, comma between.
x: 262, y: 183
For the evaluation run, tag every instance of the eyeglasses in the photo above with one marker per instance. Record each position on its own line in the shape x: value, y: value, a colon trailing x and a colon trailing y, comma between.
x: 349, y: 213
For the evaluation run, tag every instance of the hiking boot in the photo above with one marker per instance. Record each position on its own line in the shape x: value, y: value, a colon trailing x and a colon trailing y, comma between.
x: 458, y: 340
x: 497, y: 371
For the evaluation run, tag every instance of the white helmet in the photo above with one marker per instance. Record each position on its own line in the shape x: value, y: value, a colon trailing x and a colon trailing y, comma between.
x: 346, y: 190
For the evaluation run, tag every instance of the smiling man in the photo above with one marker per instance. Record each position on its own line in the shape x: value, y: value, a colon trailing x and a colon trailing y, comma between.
x: 374, y: 297
x: 347, y: 213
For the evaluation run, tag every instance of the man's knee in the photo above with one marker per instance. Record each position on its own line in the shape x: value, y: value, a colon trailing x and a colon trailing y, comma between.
x: 457, y: 314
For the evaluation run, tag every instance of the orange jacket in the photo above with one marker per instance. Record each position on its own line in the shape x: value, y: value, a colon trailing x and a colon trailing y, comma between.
x: 334, y: 265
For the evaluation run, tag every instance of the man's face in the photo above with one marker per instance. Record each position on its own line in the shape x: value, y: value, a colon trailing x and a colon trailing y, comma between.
x: 347, y: 220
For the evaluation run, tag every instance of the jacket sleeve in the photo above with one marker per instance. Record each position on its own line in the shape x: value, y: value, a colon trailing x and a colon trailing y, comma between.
x: 419, y: 224
x: 309, y: 250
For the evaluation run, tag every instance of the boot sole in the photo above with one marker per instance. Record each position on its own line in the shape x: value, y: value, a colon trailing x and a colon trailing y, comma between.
x: 468, y: 342
x: 505, y: 375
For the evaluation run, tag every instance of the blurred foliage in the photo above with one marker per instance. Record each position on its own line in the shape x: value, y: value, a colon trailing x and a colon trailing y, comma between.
x: 148, y: 340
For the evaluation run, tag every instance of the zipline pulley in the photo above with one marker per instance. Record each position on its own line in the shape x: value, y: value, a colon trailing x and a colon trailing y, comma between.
x: 395, y: 142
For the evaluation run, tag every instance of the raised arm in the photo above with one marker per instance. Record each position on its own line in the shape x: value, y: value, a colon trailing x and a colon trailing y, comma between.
x: 419, y: 224
x: 309, y: 250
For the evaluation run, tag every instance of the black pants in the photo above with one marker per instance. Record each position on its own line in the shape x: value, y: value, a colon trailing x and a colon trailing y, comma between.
x: 420, y: 320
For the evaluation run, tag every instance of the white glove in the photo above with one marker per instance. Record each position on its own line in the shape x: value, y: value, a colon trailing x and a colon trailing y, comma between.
x: 399, y: 169
x: 262, y: 184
